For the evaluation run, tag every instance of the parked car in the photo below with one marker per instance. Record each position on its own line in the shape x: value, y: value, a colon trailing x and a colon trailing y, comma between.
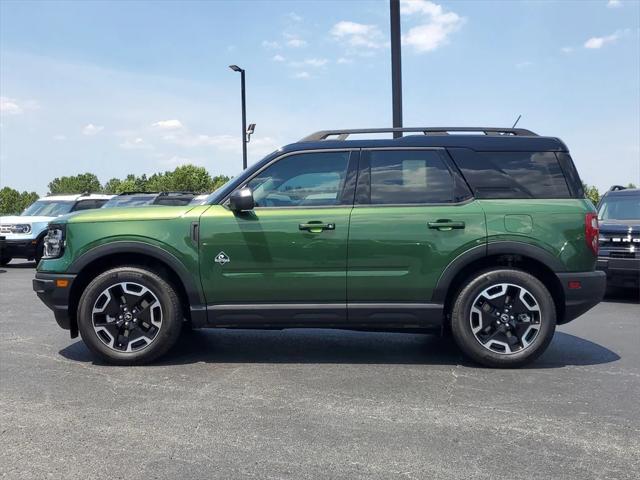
x: 485, y: 233
x: 619, y: 257
x: 24, y: 233
x: 139, y: 199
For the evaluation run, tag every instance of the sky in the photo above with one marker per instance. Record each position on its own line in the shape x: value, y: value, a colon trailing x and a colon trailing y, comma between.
x: 144, y: 86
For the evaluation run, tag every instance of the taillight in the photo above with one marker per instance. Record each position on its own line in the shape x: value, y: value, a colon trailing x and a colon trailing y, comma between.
x: 592, y: 231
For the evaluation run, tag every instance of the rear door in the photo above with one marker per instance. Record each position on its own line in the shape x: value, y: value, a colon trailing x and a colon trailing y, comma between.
x: 413, y: 215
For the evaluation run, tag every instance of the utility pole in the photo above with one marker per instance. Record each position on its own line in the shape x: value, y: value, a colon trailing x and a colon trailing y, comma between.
x: 396, y: 66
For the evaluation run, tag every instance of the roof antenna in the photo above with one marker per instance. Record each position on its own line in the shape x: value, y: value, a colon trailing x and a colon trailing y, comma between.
x: 517, y: 120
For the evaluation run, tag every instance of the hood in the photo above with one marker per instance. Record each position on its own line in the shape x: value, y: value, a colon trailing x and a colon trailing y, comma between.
x: 124, y: 214
x: 13, y: 219
x: 619, y: 226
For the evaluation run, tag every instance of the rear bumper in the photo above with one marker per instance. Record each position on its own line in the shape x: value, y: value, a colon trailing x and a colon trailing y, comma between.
x: 18, y: 248
x: 621, y: 272
x: 580, y: 300
x: 56, y: 297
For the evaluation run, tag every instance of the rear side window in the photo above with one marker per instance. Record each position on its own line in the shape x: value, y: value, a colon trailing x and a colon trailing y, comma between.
x: 512, y: 174
x: 88, y: 205
x: 409, y: 176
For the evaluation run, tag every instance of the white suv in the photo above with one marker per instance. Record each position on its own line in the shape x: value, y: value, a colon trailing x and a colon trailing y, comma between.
x: 24, y: 233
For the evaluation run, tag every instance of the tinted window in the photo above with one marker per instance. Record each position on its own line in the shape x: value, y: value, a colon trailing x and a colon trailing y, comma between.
x: 620, y: 207
x: 512, y: 174
x: 135, y: 200
x: 409, y: 176
x: 308, y: 179
x: 88, y: 205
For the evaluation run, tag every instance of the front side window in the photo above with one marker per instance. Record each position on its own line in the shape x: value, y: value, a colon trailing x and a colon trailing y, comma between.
x: 409, y: 177
x: 302, y: 180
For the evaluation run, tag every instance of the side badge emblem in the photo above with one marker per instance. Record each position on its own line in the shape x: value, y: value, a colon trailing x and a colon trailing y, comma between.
x: 222, y: 258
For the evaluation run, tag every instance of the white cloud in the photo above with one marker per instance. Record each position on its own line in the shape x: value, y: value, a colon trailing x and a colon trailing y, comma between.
x: 614, y: 3
x: 523, y: 65
x: 295, y: 41
x: 599, y: 42
x: 270, y: 45
x: 278, y: 58
x: 438, y: 26
x: 12, y: 106
x: 91, y: 129
x: 294, y: 17
x: 303, y: 75
x: 344, y: 61
x: 316, y: 62
x: 137, y: 143
x: 358, y: 35
x: 567, y: 50
x: 168, y: 125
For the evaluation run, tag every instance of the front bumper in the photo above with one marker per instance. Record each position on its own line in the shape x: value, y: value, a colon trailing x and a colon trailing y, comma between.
x: 48, y: 288
x: 19, y: 248
x: 621, y: 272
x: 592, y: 286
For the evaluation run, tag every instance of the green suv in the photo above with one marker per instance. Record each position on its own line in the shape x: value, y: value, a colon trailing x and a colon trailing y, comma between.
x: 483, y: 233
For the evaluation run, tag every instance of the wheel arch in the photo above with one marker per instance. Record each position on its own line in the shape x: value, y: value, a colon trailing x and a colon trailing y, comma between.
x: 529, y: 258
x: 105, y: 257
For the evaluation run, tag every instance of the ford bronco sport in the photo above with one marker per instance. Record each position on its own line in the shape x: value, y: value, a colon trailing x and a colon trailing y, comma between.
x: 481, y: 232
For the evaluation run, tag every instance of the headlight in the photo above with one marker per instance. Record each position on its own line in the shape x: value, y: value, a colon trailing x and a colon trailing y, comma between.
x: 20, y: 228
x: 54, y: 241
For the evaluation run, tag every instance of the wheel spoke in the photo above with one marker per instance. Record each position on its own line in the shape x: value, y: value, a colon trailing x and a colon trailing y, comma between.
x: 127, y: 317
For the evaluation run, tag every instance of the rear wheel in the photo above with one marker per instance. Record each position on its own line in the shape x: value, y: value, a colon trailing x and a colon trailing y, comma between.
x: 503, y: 318
x: 129, y: 315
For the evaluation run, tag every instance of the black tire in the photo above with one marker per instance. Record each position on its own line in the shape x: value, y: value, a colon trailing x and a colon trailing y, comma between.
x: 39, y: 251
x: 4, y: 261
x: 165, y: 336
x: 485, y: 347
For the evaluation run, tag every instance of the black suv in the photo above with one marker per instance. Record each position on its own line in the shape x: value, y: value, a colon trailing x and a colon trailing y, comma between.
x: 619, y: 257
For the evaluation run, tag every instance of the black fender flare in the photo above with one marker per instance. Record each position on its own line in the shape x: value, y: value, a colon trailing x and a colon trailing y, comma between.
x: 194, y: 293
x: 500, y: 247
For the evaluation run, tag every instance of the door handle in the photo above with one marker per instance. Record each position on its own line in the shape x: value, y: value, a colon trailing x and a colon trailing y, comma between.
x: 316, y: 227
x: 444, y: 225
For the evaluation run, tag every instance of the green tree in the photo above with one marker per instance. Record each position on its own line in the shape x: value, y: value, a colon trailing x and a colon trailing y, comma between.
x: 592, y: 193
x: 131, y: 183
x: 191, y: 179
x: 13, y: 202
x: 84, y: 182
x: 631, y: 185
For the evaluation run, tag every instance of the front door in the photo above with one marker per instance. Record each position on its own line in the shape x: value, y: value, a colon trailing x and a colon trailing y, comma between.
x: 286, y: 259
x: 411, y: 219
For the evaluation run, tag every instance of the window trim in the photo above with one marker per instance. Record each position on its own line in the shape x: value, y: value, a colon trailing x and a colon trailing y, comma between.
x: 346, y: 196
x: 363, y: 186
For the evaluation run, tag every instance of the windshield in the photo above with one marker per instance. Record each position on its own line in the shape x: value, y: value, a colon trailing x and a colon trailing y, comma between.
x: 620, y: 208
x: 48, y: 208
x: 130, y: 201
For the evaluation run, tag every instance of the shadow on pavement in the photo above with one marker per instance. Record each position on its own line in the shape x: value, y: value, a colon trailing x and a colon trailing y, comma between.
x: 344, y: 347
x: 622, y: 295
x: 17, y: 266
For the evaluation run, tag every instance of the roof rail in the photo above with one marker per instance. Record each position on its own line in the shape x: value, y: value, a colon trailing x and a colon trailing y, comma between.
x: 344, y: 134
x: 615, y: 188
x: 157, y: 193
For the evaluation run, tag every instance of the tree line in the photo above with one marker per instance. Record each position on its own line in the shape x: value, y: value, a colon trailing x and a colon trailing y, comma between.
x: 187, y: 178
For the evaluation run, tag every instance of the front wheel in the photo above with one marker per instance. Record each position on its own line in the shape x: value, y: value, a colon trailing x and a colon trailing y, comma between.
x: 129, y: 315
x: 503, y: 318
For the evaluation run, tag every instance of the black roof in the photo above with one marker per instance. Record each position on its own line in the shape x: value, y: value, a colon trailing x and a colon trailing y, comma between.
x: 476, y: 138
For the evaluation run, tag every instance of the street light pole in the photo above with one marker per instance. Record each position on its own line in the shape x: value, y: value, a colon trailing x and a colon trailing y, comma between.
x: 235, y: 68
x: 396, y: 66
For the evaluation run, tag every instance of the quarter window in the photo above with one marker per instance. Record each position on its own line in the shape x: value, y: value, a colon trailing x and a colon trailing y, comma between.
x: 409, y: 176
x: 307, y: 179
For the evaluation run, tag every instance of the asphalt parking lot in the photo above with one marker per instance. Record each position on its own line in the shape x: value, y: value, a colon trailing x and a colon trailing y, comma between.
x: 316, y: 404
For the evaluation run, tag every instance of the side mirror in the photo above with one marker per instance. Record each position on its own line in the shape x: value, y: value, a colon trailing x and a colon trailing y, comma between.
x: 241, y: 200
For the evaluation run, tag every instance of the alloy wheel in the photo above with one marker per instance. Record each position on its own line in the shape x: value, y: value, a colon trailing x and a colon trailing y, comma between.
x: 127, y: 317
x: 505, y: 318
